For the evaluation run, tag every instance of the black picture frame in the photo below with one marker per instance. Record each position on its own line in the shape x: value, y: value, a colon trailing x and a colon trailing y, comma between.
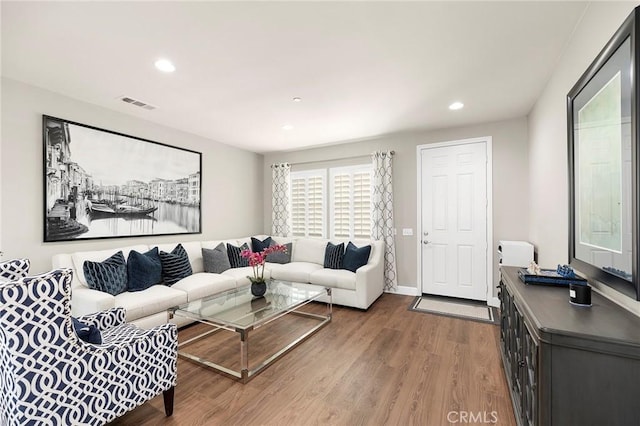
x: 100, y: 184
x: 619, y: 53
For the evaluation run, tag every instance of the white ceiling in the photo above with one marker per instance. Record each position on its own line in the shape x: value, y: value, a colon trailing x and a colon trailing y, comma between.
x: 362, y: 69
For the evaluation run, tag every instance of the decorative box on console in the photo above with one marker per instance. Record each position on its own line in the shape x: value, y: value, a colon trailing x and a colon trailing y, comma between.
x: 515, y: 253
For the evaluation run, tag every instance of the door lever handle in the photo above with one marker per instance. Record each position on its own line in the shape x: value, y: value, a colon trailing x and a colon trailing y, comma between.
x: 425, y: 242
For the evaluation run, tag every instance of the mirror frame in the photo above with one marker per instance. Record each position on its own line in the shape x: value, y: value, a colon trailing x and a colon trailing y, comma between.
x: 629, y: 29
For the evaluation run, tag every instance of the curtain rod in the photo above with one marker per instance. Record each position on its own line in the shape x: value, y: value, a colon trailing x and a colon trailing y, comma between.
x: 330, y: 159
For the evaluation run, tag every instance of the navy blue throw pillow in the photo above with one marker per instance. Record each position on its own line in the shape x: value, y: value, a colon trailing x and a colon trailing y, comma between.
x: 88, y: 333
x: 257, y: 246
x: 235, y: 259
x: 175, y: 265
x: 355, y: 257
x: 144, y: 269
x: 333, y: 256
x: 109, y: 276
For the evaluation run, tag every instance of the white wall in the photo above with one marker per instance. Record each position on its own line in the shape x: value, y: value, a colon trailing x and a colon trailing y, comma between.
x: 232, y: 178
x: 510, y: 181
x: 548, y: 192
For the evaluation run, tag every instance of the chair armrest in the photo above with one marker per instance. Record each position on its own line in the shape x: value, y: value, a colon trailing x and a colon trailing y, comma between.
x: 86, y: 301
x: 128, y: 335
x: 135, y: 349
x: 105, y: 320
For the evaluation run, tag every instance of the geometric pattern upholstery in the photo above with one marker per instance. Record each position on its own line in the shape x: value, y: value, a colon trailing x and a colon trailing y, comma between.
x: 382, y: 214
x: 49, y: 376
x: 280, y: 178
x: 14, y: 269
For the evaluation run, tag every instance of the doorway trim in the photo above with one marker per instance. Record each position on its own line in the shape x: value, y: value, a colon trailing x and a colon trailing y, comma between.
x: 488, y: 141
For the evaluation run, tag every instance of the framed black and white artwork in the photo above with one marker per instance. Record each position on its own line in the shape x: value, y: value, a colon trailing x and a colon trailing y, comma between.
x: 103, y: 184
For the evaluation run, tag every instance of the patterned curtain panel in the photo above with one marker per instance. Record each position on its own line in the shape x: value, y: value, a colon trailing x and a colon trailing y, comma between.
x: 382, y: 214
x: 281, y: 176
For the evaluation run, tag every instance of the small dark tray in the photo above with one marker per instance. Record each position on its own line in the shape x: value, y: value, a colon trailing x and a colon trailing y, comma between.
x: 549, y: 277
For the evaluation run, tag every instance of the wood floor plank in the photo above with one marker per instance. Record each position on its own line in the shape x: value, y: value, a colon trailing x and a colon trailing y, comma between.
x: 384, y: 366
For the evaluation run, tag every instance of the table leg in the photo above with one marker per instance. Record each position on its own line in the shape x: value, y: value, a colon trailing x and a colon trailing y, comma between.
x: 244, y: 355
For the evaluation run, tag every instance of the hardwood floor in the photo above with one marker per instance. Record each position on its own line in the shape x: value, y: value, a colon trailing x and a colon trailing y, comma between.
x: 386, y: 366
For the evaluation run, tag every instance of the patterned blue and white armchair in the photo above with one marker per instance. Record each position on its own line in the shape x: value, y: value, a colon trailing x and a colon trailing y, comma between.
x: 49, y: 376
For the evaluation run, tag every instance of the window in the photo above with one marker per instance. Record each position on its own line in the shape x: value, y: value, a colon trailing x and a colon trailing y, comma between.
x: 308, y: 204
x: 348, y: 213
x: 350, y: 204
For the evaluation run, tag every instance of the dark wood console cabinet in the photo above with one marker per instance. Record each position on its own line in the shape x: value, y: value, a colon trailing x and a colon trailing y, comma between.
x: 565, y: 364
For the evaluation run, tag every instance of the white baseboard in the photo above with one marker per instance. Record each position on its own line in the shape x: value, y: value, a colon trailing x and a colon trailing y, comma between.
x: 405, y: 291
x: 494, y: 301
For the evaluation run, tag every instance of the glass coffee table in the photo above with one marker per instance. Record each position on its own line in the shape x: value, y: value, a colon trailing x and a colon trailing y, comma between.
x: 239, y: 311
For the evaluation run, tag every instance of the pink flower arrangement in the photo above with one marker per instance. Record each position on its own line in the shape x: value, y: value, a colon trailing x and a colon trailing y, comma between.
x: 256, y: 260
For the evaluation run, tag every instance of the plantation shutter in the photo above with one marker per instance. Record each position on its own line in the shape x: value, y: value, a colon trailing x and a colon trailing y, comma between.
x: 351, y: 202
x: 307, y: 203
x: 362, y: 204
x: 315, y: 206
x: 341, y: 205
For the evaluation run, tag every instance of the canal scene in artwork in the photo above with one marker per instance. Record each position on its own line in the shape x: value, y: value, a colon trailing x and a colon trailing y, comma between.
x: 101, y: 184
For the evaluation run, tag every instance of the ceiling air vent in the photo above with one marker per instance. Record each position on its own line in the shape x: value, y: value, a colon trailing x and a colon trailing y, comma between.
x: 137, y: 103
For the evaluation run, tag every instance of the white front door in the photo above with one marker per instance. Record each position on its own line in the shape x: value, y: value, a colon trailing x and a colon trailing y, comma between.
x: 453, y: 240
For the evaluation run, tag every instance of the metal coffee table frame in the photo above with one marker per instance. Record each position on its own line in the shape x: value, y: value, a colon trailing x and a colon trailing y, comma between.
x: 245, y: 374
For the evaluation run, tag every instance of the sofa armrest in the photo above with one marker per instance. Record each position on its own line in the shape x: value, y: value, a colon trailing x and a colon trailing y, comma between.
x: 86, y: 301
x: 105, y: 320
x: 369, y: 283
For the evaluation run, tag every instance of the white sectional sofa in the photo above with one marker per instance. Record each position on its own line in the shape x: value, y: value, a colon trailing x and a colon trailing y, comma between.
x: 147, y: 308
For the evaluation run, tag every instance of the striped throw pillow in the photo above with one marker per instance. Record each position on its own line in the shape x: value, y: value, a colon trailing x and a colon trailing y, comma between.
x: 235, y: 259
x: 333, y: 256
x: 175, y: 265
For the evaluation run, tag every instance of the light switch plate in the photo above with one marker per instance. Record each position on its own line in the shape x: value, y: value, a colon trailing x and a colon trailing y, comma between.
x: 407, y: 232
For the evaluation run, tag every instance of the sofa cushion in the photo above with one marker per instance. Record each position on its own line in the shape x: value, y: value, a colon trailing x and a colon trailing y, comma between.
x: 333, y: 256
x: 257, y: 245
x: 280, y: 256
x: 337, y: 278
x: 204, y: 284
x: 309, y: 250
x: 175, y: 265
x: 235, y: 259
x: 355, y: 257
x: 155, y: 299
x: 295, y: 271
x: 109, y: 276
x: 245, y: 271
x: 143, y: 269
x: 215, y: 260
x: 78, y: 258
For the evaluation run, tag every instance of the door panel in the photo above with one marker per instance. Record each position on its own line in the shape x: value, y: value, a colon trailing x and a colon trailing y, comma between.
x: 454, y: 220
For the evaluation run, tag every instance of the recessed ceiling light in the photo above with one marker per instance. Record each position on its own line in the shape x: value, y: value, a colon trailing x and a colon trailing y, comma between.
x: 297, y: 99
x: 287, y: 127
x: 456, y: 105
x: 165, y: 65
